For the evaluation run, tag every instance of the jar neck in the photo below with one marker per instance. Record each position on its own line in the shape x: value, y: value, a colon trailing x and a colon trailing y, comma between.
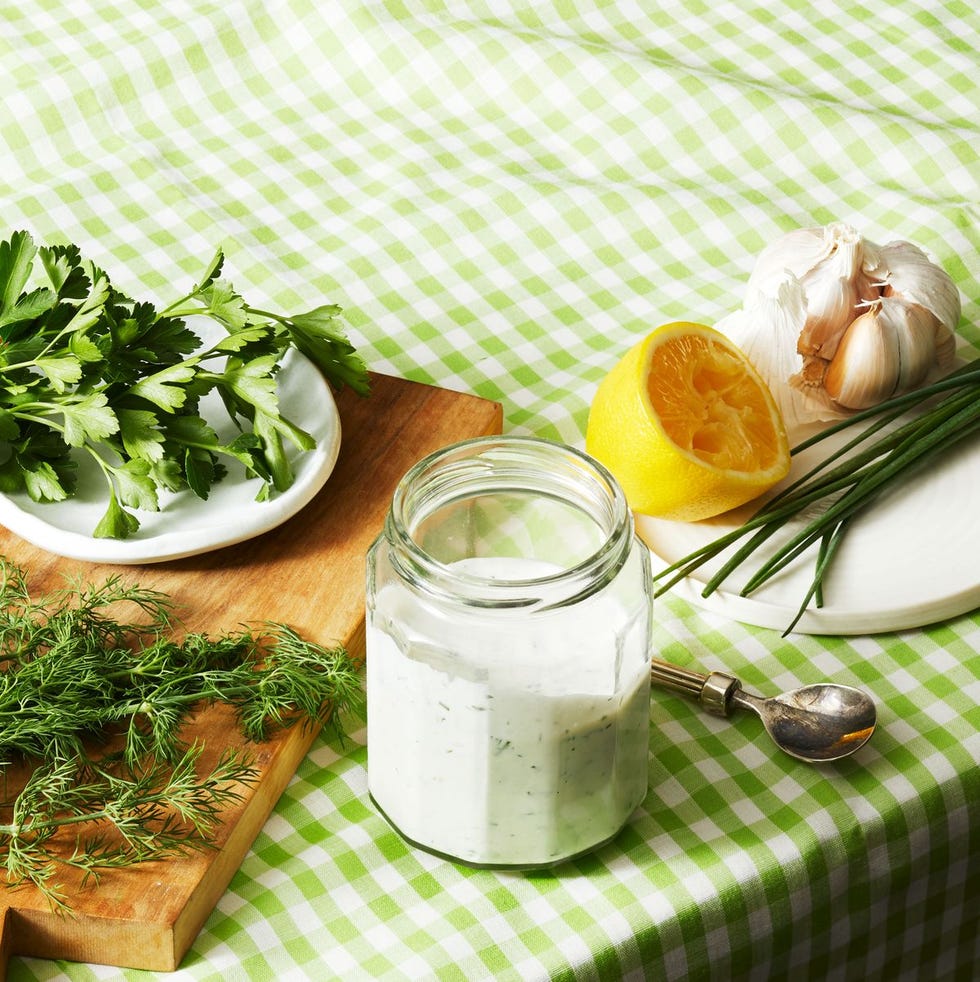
x: 500, y: 522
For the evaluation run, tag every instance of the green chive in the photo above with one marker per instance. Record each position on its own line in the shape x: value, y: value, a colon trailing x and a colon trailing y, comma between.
x: 845, y: 483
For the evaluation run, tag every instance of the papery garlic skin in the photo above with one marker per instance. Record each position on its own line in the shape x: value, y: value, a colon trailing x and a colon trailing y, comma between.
x: 796, y: 252
x: 879, y: 320
x: 903, y: 269
x: 767, y: 331
x: 829, y: 263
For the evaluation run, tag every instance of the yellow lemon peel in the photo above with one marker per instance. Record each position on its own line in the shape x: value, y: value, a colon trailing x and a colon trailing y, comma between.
x: 687, y: 426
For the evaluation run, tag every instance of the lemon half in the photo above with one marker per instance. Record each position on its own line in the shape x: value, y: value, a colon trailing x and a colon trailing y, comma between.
x: 687, y: 426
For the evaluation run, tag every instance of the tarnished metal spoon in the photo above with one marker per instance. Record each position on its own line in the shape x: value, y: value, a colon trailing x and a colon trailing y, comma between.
x: 815, y: 723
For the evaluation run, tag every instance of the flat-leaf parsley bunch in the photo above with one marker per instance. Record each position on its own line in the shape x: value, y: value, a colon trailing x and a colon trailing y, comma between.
x: 85, y: 369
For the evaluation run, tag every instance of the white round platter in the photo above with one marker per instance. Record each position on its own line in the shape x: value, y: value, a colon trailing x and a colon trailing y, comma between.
x: 912, y: 559
x: 187, y: 525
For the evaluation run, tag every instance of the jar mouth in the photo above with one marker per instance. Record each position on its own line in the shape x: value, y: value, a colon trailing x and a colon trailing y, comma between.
x: 581, y: 514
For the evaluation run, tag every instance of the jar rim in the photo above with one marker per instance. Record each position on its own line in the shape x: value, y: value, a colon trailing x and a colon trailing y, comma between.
x: 584, y: 577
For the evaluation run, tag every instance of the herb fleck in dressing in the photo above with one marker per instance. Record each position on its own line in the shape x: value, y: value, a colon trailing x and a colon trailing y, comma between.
x: 508, y: 655
x: 507, y: 744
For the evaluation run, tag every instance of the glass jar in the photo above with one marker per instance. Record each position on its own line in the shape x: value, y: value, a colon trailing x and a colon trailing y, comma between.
x: 508, y: 655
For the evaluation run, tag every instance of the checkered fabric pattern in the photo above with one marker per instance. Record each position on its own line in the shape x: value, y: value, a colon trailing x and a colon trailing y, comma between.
x: 503, y: 196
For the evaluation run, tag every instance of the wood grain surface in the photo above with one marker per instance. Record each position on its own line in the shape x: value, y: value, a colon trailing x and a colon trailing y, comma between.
x: 308, y: 573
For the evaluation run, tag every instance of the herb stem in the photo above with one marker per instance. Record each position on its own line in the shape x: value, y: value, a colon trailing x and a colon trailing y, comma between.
x: 843, y: 484
x: 73, y: 674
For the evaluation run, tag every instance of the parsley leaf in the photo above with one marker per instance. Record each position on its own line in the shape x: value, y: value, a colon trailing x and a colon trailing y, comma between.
x: 62, y: 371
x: 88, y: 417
x: 253, y: 383
x: 140, y: 434
x: 41, y: 481
x: 116, y: 523
x: 319, y: 336
x: 16, y: 256
x: 85, y: 369
x: 166, y: 388
x: 135, y: 485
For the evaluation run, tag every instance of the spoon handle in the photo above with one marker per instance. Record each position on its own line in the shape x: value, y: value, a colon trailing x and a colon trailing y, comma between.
x: 713, y: 691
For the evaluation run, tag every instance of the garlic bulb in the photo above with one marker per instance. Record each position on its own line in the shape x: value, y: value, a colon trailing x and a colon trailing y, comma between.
x: 866, y: 321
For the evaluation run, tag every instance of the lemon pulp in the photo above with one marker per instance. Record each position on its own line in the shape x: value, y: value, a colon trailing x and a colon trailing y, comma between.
x: 687, y: 426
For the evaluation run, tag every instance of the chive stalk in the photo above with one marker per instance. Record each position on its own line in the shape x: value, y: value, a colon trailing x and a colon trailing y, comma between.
x: 845, y: 484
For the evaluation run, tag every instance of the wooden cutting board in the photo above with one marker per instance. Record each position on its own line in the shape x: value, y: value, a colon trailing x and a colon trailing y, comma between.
x: 308, y: 573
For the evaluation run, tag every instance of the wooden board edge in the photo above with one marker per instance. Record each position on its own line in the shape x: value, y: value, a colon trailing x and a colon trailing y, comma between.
x: 6, y: 944
x: 39, y: 932
x: 203, y: 900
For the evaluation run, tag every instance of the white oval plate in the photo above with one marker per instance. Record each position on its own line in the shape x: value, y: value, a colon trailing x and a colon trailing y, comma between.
x: 911, y: 560
x: 187, y: 525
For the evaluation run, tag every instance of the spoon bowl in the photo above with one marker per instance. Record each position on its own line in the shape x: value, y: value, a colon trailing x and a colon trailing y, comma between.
x: 820, y: 722
x: 816, y: 723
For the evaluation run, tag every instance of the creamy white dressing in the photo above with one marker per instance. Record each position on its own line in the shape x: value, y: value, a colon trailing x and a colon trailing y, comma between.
x: 503, y: 739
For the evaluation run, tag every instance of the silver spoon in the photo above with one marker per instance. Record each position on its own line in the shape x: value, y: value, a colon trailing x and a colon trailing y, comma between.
x: 814, y: 723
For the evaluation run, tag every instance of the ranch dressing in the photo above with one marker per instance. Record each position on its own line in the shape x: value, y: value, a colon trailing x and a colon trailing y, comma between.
x: 508, y: 702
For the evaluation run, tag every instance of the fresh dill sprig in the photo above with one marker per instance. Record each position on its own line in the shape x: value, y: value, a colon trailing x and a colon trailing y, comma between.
x: 115, y: 817
x: 95, y: 690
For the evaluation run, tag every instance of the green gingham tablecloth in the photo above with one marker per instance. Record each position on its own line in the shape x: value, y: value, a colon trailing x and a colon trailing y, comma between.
x: 504, y: 196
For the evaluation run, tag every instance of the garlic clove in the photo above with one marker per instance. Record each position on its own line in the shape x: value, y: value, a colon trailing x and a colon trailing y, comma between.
x: 915, y: 330
x: 864, y: 370
x: 829, y: 262
x: 834, y: 290
x: 888, y: 350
